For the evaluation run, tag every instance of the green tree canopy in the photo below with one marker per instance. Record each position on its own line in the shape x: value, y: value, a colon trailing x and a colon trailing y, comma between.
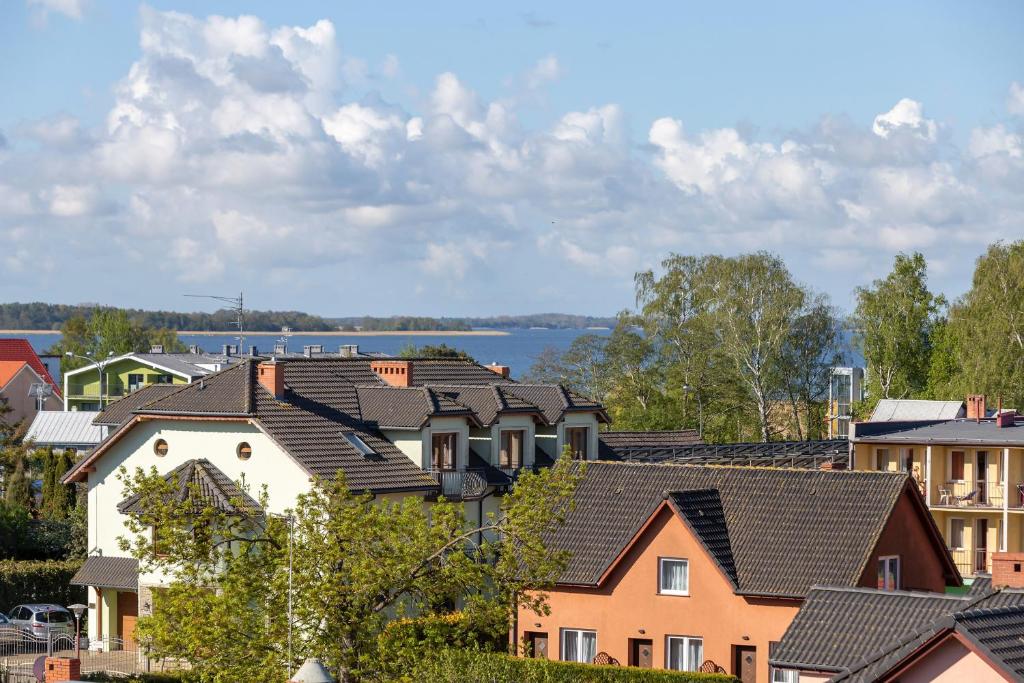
x: 109, y: 331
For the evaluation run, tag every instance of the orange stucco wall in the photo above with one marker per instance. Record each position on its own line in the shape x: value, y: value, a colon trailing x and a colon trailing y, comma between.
x: 629, y: 601
x: 907, y: 535
x: 950, y: 662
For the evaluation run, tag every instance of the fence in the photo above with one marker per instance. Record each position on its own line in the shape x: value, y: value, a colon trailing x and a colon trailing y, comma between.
x: 20, y: 650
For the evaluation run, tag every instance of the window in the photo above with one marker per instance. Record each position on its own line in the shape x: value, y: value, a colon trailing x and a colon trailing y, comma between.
x: 683, y: 653
x: 578, y: 645
x: 442, y: 451
x: 357, y: 442
x: 882, y: 459
x: 160, y: 447
x: 244, y: 451
x: 511, y: 448
x: 135, y: 382
x: 785, y: 675
x: 956, y: 470
x: 956, y: 533
x: 889, y: 573
x: 673, y: 576
x: 163, y: 379
x: 576, y: 438
x: 159, y: 547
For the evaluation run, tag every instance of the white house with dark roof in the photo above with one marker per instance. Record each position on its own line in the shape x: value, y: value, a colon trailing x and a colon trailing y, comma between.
x: 422, y: 427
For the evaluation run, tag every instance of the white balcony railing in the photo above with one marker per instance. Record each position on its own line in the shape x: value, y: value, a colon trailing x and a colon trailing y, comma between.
x: 988, y: 494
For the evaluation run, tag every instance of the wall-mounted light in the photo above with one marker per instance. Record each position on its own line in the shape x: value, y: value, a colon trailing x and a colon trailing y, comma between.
x: 746, y: 637
x: 640, y: 630
x: 537, y: 625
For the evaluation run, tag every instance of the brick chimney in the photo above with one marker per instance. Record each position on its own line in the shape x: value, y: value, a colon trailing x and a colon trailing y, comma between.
x: 832, y: 465
x: 397, y: 373
x: 271, y: 376
x: 59, y: 669
x: 502, y: 370
x: 976, y: 407
x: 1008, y: 570
x: 1006, y: 418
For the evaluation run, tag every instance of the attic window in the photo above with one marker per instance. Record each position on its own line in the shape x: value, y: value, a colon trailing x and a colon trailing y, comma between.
x: 358, y: 443
x: 244, y: 451
x: 160, y: 447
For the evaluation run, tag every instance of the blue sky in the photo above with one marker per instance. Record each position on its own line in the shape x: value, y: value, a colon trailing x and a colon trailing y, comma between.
x: 474, y: 158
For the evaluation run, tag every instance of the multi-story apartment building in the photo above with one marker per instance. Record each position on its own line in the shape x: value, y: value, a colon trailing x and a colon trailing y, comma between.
x: 395, y: 428
x: 845, y: 389
x: 969, y: 470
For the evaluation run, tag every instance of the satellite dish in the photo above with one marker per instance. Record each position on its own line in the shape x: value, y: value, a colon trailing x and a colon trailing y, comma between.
x: 39, y: 668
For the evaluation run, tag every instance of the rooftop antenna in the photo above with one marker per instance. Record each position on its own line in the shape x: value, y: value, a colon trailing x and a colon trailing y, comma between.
x: 286, y: 332
x: 237, y: 306
x: 40, y: 391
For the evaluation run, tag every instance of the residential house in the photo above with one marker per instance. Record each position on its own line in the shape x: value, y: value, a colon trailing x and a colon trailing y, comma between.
x: 395, y: 428
x: 970, y: 470
x: 16, y: 380
x: 860, y: 634
x: 130, y: 372
x: 63, y: 430
x: 682, y: 566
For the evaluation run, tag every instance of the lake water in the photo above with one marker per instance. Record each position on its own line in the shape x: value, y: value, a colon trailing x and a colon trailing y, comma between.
x: 518, y: 349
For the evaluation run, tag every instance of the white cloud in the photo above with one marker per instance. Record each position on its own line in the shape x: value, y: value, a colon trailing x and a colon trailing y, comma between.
x: 907, y: 115
x: 73, y: 9
x: 69, y: 201
x: 1015, y: 100
x: 546, y: 70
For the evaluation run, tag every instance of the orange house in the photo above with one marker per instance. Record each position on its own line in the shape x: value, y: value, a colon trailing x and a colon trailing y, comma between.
x: 690, y: 567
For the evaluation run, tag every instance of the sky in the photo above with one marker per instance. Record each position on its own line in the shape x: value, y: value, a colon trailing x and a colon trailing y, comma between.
x: 468, y: 158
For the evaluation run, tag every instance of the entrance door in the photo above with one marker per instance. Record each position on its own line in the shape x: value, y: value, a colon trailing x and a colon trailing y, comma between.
x: 640, y: 653
x: 982, y: 477
x: 127, y: 615
x: 981, y: 545
x: 538, y: 644
x: 745, y: 665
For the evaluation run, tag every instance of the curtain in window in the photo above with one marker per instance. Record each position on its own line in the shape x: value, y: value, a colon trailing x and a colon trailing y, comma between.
x: 694, y: 654
x: 588, y: 647
x: 673, y: 576
x: 571, y: 646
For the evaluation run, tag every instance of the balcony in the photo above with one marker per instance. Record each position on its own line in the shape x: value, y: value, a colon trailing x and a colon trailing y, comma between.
x: 964, y: 494
x: 970, y: 562
x: 460, y: 484
x: 80, y: 391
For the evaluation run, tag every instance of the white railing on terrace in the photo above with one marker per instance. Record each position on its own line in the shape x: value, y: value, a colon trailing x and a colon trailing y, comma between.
x: 988, y: 494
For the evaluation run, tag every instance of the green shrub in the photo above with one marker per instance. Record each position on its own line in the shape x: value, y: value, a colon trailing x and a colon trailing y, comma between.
x: 404, y: 642
x: 36, y: 581
x: 456, y: 666
x: 177, y: 677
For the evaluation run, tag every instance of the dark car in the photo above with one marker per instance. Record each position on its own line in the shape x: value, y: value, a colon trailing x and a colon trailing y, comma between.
x: 39, y: 619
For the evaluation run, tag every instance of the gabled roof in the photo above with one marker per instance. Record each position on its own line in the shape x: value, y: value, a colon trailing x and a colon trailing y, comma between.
x: 200, y: 477
x: 896, y: 409
x: 405, y: 407
x: 555, y: 400
x: 702, y: 512
x: 123, y: 409
x: 186, y: 365
x: 20, y: 349
x: 8, y: 369
x: 64, y: 428
x: 108, y: 572
x: 489, y: 402
x: 787, y: 529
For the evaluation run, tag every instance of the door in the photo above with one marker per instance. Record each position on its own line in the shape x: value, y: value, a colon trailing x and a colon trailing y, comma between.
x: 981, y: 545
x: 127, y: 615
x: 538, y: 644
x: 745, y: 664
x: 982, y: 476
x: 640, y: 653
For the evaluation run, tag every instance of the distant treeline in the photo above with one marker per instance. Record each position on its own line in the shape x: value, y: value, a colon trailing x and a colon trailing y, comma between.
x: 40, y: 316
x: 561, y: 321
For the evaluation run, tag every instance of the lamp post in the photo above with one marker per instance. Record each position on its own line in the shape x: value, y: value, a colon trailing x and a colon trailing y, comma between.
x: 78, y: 609
x: 98, y: 363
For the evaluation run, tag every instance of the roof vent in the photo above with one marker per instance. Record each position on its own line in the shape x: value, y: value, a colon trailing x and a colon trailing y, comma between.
x: 349, y: 350
x: 193, y: 348
x: 156, y: 348
x: 310, y: 349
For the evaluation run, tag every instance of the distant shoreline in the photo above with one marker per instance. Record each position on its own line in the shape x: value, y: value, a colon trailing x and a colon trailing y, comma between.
x: 331, y: 333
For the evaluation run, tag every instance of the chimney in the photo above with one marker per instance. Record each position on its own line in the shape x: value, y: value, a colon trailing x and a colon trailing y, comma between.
x: 397, y: 373
x: 253, y: 351
x: 502, y: 370
x: 271, y: 376
x: 976, y: 407
x: 1008, y: 570
x: 1006, y: 418
x: 349, y: 350
x: 831, y: 465
x: 193, y: 348
x: 280, y: 349
x: 156, y: 348
x: 226, y: 349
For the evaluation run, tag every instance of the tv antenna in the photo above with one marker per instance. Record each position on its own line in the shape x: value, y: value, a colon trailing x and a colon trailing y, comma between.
x: 236, y: 304
x: 286, y: 333
x: 40, y: 391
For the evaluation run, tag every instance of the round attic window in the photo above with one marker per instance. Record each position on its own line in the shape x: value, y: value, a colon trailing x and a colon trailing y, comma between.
x: 160, y: 447
x: 244, y: 451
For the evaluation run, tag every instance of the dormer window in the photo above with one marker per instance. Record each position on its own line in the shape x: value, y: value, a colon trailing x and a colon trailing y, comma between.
x: 357, y: 442
x: 442, y: 450
x: 511, y: 455
x: 577, y: 439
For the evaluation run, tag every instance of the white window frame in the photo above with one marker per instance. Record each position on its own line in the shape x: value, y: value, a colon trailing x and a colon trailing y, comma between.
x: 784, y: 675
x: 963, y: 527
x: 661, y: 569
x: 687, y: 665
x: 579, y: 632
x: 899, y: 570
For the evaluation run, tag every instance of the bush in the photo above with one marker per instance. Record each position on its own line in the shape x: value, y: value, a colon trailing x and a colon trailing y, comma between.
x: 404, y: 642
x: 455, y: 666
x: 33, y: 581
x: 176, y: 677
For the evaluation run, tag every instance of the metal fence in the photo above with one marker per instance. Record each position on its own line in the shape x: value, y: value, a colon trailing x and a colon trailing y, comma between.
x: 19, y: 651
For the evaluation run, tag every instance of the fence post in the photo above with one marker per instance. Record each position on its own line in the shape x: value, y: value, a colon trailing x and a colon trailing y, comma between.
x: 49, y: 643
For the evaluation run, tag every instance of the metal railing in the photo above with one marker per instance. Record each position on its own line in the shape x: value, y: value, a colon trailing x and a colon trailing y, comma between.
x: 988, y: 494
x: 460, y: 484
x: 969, y: 562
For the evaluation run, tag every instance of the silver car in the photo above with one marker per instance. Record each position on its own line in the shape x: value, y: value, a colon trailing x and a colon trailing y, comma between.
x: 8, y: 631
x: 38, y: 620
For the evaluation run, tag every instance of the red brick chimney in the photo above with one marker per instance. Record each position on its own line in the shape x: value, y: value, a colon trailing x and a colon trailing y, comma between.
x: 1008, y: 570
x: 976, y: 407
x: 59, y: 669
x: 271, y: 376
x: 502, y: 370
x: 397, y: 373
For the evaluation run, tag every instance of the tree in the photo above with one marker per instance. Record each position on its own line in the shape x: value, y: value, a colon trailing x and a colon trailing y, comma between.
x: 579, y: 368
x: 350, y: 564
x: 808, y: 356
x: 433, y: 351
x: 893, y: 325
x: 109, y: 331
x: 986, y: 328
x: 58, y: 498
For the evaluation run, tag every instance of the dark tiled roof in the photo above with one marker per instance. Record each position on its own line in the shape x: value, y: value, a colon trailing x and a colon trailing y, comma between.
x: 703, y: 512
x: 999, y: 632
x: 788, y: 529
x: 123, y: 409
x: 961, y: 431
x: 404, y: 407
x: 202, y: 478
x: 227, y: 392
x: 771, y: 454
x: 610, y: 443
x: 108, y: 572
x: 487, y: 402
x: 554, y: 400
x: 982, y: 585
x: 451, y: 371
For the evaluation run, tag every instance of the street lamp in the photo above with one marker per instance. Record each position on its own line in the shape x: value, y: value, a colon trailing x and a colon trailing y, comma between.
x: 98, y: 363
x: 78, y: 609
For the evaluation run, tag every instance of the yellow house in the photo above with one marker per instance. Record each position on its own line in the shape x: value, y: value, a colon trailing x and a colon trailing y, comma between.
x: 969, y: 470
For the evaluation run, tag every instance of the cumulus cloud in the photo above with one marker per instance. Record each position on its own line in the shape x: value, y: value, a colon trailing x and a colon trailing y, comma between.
x: 73, y: 9
x: 237, y: 152
x: 1015, y: 100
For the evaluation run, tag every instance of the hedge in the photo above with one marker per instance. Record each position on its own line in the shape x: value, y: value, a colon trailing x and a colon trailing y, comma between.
x: 456, y: 666
x: 24, y: 581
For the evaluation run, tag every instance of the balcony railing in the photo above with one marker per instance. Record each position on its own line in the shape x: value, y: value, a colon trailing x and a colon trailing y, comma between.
x: 987, y: 494
x: 109, y: 391
x: 970, y: 562
x: 460, y: 484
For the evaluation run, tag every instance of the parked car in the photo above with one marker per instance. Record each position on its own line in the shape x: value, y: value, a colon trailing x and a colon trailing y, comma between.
x: 39, y: 619
x: 8, y: 631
